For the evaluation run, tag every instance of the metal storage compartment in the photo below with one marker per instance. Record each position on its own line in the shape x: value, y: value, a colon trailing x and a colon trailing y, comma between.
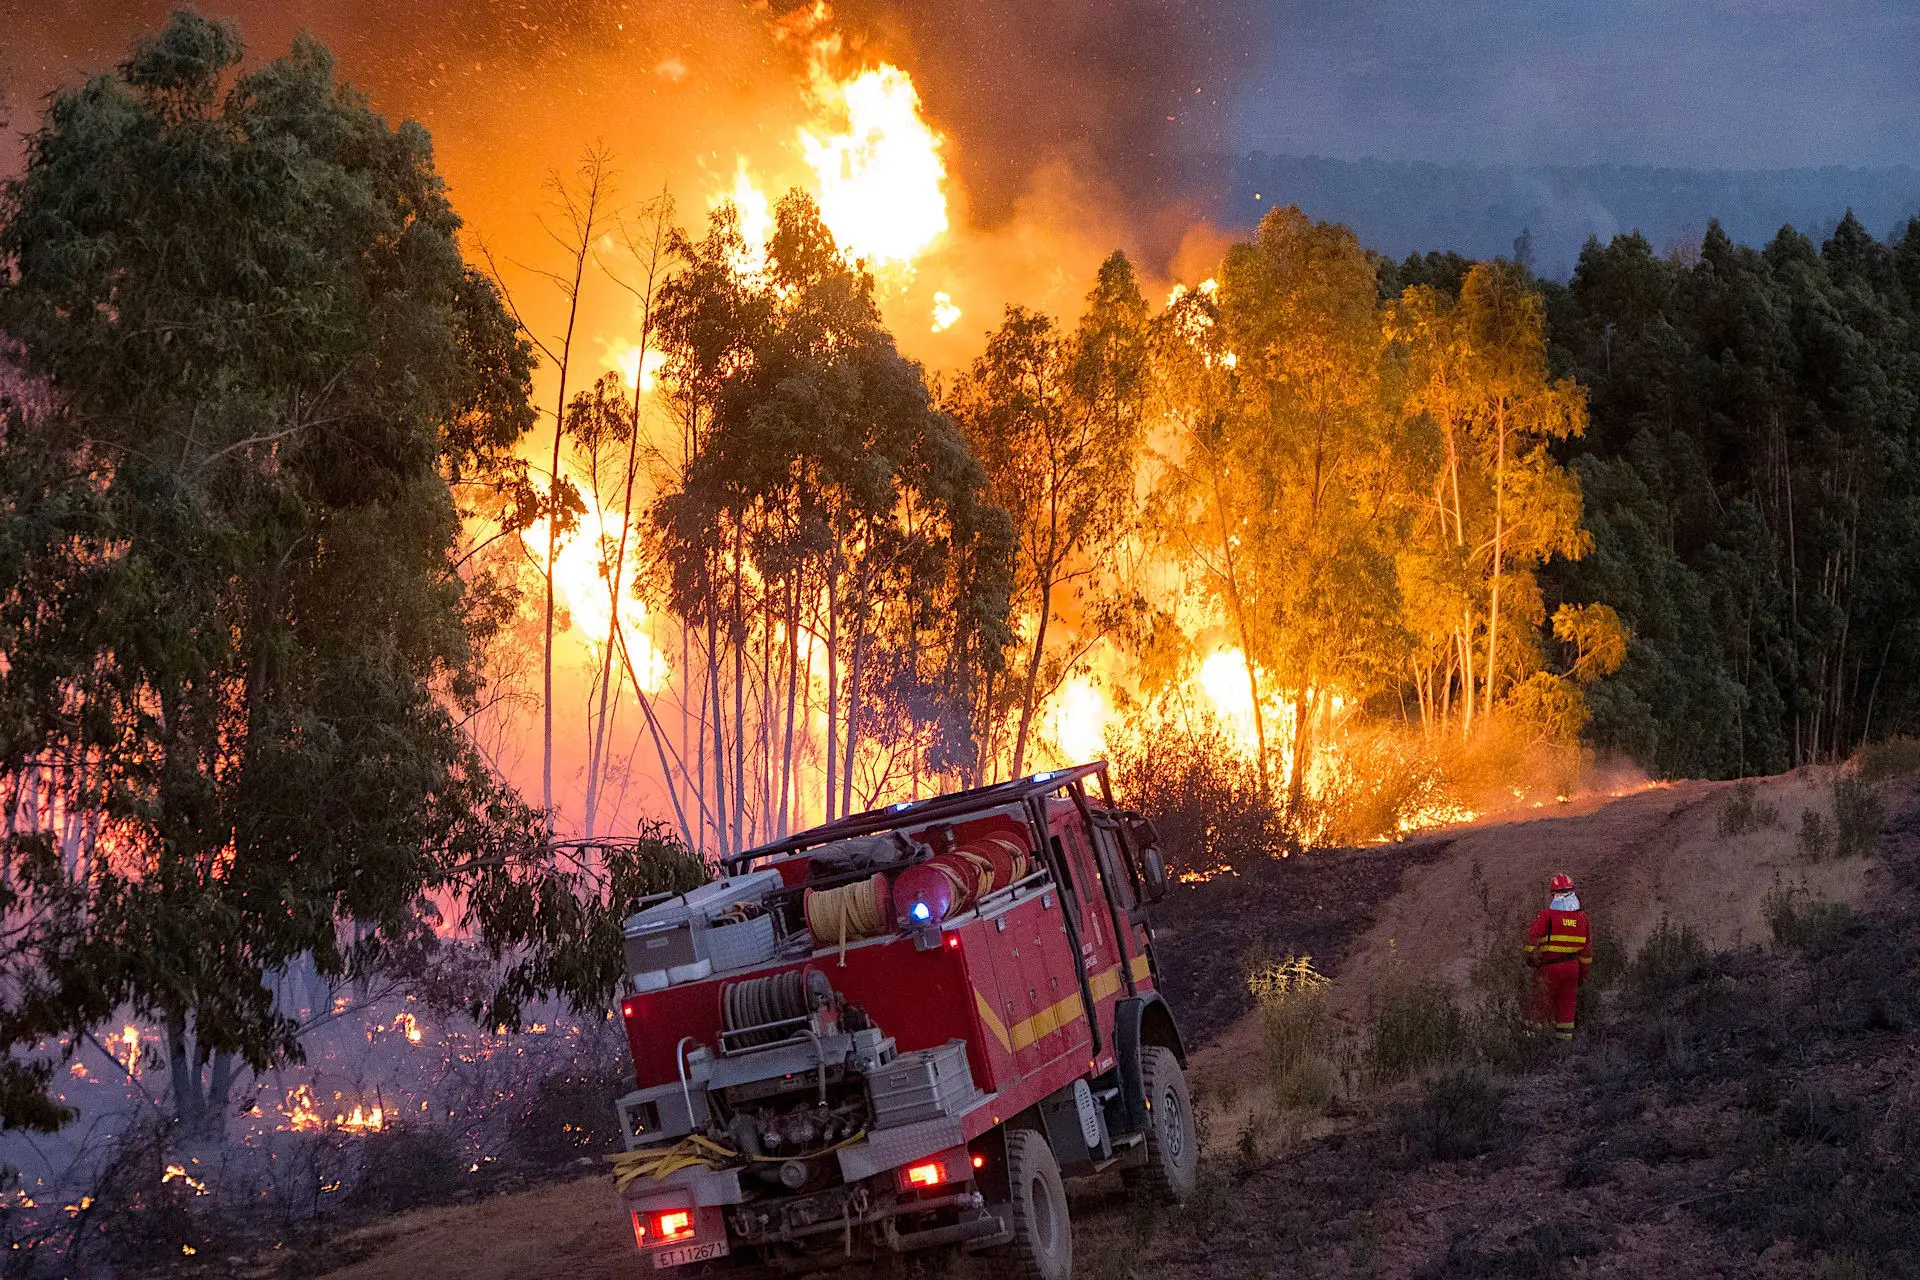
x: 923, y: 1085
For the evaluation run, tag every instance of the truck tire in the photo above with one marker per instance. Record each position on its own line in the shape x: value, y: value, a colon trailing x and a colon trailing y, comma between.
x: 1172, y: 1166
x: 1042, y: 1245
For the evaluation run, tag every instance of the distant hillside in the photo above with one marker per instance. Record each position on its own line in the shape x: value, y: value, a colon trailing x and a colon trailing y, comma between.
x: 1479, y: 211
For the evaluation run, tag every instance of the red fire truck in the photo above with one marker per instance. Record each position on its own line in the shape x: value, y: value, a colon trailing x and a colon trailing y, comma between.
x: 898, y: 1032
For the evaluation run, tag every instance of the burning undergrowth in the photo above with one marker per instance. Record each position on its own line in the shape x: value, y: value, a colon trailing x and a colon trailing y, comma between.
x: 400, y: 1103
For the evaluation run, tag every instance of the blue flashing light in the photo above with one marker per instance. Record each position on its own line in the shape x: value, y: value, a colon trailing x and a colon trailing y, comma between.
x: 1041, y: 777
x: 903, y: 806
x: 921, y: 913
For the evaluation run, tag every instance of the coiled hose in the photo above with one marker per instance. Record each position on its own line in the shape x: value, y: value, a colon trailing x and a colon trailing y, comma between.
x: 849, y: 912
x: 755, y: 1002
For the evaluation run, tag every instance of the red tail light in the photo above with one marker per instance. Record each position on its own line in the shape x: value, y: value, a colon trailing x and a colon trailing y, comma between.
x: 930, y: 1174
x: 663, y: 1227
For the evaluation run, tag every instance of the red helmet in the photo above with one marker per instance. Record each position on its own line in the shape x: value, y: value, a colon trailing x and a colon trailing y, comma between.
x: 1562, y: 883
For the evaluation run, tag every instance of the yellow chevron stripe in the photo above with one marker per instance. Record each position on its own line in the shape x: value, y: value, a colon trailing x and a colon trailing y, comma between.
x: 1061, y: 1013
x: 992, y: 1021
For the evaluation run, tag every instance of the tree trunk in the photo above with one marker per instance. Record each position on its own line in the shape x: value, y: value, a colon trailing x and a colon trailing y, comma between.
x: 1028, y: 695
x: 182, y: 1073
x: 1499, y: 554
x: 833, y: 689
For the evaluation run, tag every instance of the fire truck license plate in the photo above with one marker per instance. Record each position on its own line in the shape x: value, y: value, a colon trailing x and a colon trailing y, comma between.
x: 690, y: 1253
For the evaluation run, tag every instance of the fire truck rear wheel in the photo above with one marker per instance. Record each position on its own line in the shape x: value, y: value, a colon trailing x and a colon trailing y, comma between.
x: 1172, y: 1167
x: 1042, y: 1245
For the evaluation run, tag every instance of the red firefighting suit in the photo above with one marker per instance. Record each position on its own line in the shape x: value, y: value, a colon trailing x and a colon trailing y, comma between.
x: 1560, y: 948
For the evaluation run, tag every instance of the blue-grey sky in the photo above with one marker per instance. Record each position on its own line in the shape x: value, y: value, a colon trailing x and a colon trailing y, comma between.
x: 1708, y: 83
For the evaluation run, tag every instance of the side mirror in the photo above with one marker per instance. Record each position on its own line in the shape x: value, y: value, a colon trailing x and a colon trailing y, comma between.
x: 1153, y: 873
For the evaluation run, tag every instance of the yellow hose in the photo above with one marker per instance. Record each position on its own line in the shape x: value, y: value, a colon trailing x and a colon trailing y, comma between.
x: 850, y: 912
x: 657, y: 1162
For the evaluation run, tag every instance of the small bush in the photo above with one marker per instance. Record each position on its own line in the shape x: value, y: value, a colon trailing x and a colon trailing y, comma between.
x: 407, y: 1168
x: 1292, y: 1000
x: 1744, y: 811
x: 570, y: 1114
x: 1857, y: 817
x: 1672, y: 956
x: 1806, y: 926
x: 1414, y: 1030
x: 1816, y: 836
x: 1202, y: 793
x: 1818, y: 1116
x: 1897, y: 757
x: 1456, y: 1117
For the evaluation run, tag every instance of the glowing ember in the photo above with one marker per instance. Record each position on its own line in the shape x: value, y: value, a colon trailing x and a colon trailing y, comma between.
x: 179, y: 1172
x: 361, y: 1120
x: 406, y: 1022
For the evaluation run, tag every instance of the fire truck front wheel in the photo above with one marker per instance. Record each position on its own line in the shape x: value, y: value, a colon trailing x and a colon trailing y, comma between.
x: 1042, y: 1244
x: 1172, y: 1166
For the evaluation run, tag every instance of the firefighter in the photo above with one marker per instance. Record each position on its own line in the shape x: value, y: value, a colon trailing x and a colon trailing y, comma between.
x: 1560, y: 949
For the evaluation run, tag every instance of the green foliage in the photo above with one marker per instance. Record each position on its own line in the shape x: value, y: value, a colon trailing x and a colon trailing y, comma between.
x: 1414, y: 1029
x: 1750, y: 485
x: 1458, y: 1115
x: 1805, y: 926
x: 1743, y: 811
x: 1672, y: 957
x: 1056, y: 419
x: 234, y: 639
x: 821, y: 493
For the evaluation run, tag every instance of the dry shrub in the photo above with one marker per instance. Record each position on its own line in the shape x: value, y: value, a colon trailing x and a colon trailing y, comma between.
x: 1815, y: 840
x: 404, y: 1168
x: 1202, y: 794
x: 1457, y: 1116
x: 1890, y: 758
x: 1805, y: 926
x: 1372, y: 786
x: 1744, y: 811
x: 1292, y: 999
x: 1415, y: 1029
x: 1672, y: 957
x: 1505, y: 755
x: 1857, y: 817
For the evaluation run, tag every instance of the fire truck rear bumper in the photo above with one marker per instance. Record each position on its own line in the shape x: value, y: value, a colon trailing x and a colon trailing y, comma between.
x: 975, y: 1232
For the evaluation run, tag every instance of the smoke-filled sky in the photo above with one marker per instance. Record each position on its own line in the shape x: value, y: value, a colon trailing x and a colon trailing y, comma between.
x: 1130, y: 90
x: 1696, y: 83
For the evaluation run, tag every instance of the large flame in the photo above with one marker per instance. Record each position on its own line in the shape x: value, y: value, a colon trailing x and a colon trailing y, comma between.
x: 876, y: 168
x: 582, y: 567
x: 880, y: 176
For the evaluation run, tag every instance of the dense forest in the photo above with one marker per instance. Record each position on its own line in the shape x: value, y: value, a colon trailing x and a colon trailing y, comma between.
x: 1480, y: 210
x: 1752, y: 484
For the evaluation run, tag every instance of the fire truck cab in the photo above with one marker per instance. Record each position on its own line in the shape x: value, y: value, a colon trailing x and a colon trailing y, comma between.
x: 898, y: 1031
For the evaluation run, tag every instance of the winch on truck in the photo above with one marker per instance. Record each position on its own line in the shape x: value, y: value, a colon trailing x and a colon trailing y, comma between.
x: 898, y: 1032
